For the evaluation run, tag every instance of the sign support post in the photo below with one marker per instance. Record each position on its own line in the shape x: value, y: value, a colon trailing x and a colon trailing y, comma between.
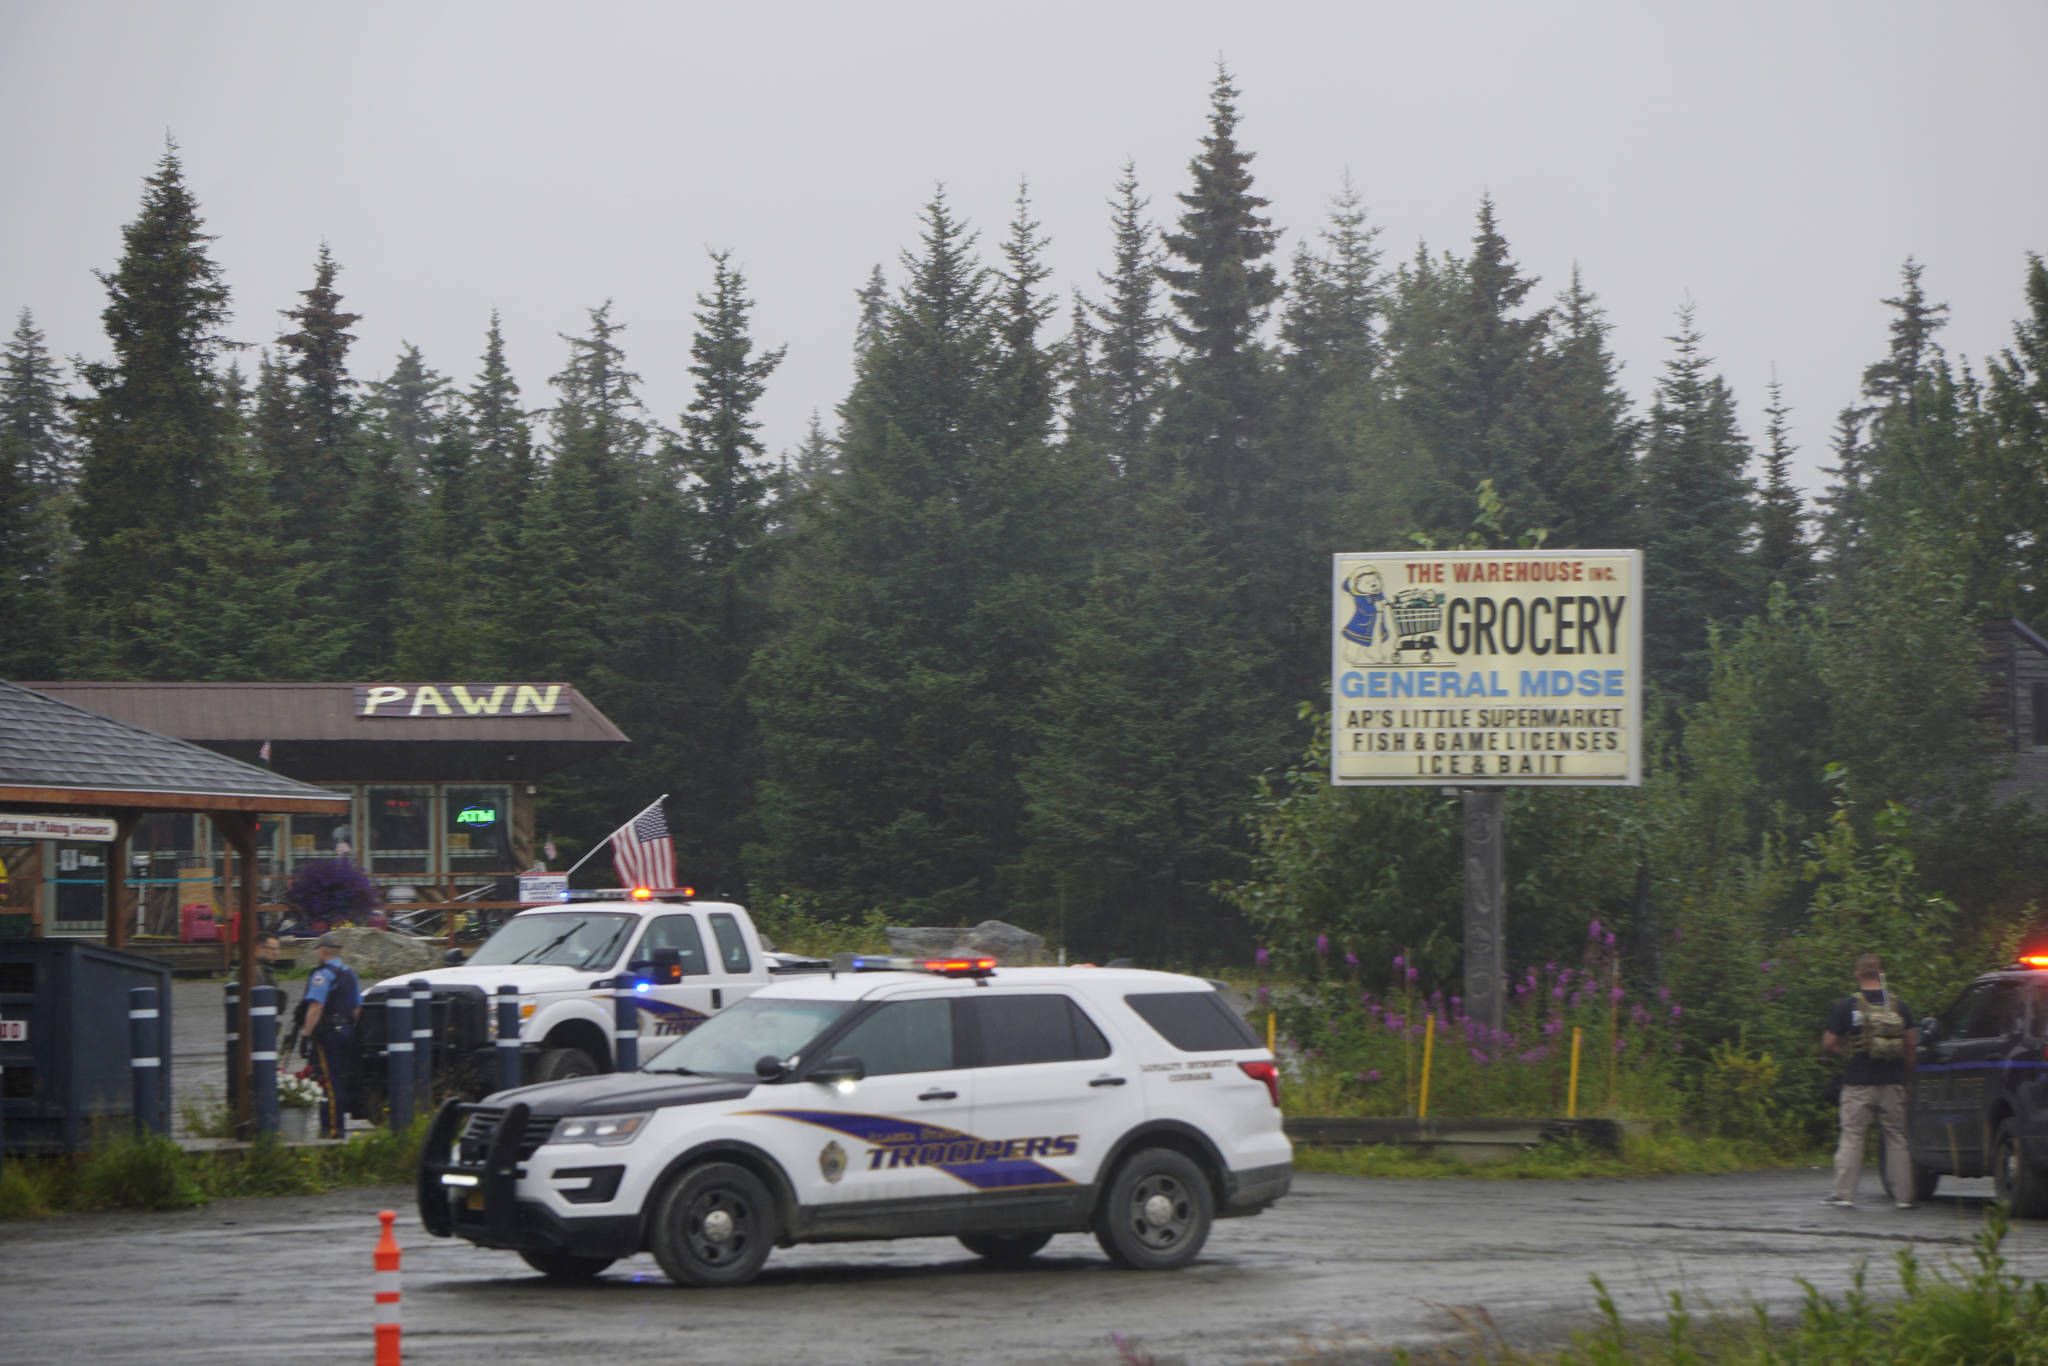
x: 1485, y: 906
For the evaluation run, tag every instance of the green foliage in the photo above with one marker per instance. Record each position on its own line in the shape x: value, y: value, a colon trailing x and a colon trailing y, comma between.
x: 131, y: 1171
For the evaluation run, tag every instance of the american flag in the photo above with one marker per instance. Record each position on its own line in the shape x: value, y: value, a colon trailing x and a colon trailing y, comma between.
x: 643, y: 852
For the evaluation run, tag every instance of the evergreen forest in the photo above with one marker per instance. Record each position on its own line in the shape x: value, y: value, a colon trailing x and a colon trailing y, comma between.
x: 1034, y: 622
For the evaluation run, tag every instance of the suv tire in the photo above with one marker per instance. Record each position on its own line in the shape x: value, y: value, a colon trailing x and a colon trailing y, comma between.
x: 2024, y: 1188
x: 558, y: 1064
x: 1157, y: 1213
x: 714, y: 1225
x: 1005, y: 1247
x: 566, y: 1266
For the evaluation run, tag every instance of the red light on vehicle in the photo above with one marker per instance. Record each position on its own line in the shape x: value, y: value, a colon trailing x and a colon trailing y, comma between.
x: 2035, y: 960
x: 642, y: 894
x: 687, y: 891
x: 958, y: 965
x: 1267, y: 1072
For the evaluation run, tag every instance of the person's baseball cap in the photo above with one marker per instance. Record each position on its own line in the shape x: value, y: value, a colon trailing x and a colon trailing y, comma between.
x: 329, y: 941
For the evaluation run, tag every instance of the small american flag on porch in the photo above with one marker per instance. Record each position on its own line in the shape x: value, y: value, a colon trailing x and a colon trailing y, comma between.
x: 643, y: 852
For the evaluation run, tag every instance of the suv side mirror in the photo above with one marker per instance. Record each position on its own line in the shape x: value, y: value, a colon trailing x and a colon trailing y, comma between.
x: 768, y: 1067
x: 1928, y: 1030
x: 839, y: 1067
x: 453, y: 958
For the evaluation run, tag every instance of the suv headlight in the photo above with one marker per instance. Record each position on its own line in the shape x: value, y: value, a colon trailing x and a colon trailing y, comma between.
x: 603, y: 1130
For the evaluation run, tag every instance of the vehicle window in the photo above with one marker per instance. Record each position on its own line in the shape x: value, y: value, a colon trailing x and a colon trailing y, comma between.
x: 730, y: 1042
x: 1021, y: 1029
x: 902, y: 1036
x: 588, y: 942
x: 678, y: 932
x: 732, y: 945
x: 1193, y: 1021
x: 2037, y: 1011
x: 2006, y: 1013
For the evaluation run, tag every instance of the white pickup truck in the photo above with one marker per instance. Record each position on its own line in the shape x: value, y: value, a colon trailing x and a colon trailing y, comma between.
x: 563, y: 959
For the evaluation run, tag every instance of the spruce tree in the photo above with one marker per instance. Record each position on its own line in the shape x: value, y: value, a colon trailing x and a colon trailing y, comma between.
x: 1782, y: 553
x: 1697, y: 515
x: 315, y: 465
x: 409, y: 410
x: 1118, y: 404
x: 1026, y: 369
x: 153, y: 430
x: 35, y: 474
x: 2015, y: 427
x: 1582, y: 450
x: 504, y: 474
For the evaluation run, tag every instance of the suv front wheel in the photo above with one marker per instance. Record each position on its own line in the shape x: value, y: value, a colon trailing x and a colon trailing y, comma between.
x: 1157, y: 1213
x: 2023, y: 1187
x: 714, y: 1225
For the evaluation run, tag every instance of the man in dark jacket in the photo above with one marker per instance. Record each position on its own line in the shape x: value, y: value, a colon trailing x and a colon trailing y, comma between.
x: 1872, y: 1028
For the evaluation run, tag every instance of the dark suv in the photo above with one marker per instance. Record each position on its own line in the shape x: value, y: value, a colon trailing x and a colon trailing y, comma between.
x: 1979, y: 1102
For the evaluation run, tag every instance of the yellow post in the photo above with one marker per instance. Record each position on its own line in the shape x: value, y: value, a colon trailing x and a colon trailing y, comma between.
x: 1428, y: 1050
x: 1571, y: 1098
x: 1269, y: 1031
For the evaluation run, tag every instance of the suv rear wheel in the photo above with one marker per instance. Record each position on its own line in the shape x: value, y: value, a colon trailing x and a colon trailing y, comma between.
x: 2023, y: 1187
x: 1157, y: 1213
x: 714, y: 1225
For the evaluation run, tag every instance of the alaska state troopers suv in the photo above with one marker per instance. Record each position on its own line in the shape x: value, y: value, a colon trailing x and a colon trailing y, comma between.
x: 941, y: 1097
x: 1979, y: 1102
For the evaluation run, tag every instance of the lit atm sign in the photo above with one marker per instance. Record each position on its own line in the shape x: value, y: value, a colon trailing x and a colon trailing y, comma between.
x: 410, y: 701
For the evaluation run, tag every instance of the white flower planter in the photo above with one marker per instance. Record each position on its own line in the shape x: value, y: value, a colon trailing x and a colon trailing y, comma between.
x: 296, y: 1126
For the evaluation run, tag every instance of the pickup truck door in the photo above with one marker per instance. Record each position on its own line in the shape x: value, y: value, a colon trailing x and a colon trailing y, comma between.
x: 670, y: 1010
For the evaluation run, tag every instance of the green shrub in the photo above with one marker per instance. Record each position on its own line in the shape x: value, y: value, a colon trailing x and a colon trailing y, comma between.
x: 131, y: 1171
x: 26, y: 1190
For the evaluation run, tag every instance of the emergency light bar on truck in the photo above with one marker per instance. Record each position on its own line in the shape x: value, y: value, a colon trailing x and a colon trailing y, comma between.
x: 630, y: 894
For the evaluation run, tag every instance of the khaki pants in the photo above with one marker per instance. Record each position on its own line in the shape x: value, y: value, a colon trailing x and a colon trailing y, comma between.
x: 1887, y: 1105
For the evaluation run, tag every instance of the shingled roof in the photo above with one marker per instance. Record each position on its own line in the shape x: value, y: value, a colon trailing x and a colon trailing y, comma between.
x: 53, y: 752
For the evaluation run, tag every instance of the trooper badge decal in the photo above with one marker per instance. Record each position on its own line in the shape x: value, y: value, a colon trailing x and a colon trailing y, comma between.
x: 832, y: 1161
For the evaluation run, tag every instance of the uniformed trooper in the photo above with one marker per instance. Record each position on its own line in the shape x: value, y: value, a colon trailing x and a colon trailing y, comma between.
x: 332, y: 996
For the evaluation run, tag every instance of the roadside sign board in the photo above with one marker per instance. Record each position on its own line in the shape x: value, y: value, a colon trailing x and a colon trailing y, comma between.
x: 1487, y: 668
x: 32, y: 827
x: 538, y: 887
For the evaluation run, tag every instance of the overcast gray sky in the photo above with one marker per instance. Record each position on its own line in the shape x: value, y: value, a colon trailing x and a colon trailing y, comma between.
x: 1773, y: 162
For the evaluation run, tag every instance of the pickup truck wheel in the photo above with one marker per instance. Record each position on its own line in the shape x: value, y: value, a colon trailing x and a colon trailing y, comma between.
x: 714, y: 1225
x: 556, y: 1064
x: 1157, y: 1213
x: 565, y: 1266
x: 2023, y: 1187
x: 1004, y: 1247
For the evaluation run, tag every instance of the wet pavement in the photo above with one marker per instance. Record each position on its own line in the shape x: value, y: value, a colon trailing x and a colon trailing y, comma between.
x: 1339, y: 1271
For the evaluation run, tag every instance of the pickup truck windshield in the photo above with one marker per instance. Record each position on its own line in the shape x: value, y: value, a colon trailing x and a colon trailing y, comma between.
x: 587, y: 940
x: 731, y: 1041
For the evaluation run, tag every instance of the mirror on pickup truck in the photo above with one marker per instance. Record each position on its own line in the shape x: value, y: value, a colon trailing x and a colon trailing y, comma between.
x: 664, y: 969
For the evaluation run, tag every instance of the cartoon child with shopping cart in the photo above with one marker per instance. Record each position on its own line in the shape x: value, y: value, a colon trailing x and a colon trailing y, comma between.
x: 1382, y: 627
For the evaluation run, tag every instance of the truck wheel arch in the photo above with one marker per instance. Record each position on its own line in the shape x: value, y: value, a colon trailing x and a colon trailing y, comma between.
x: 578, y: 1032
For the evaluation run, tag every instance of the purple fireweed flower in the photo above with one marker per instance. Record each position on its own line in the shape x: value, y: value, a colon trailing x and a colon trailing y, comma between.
x: 1537, y: 1054
x: 1261, y: 957
x: 1552, y: 1025
x: 1322, y: 946
x: 1351, y: 959
x: 1557, y: 992
x: 1372, y: 1074
x: 1620, y: 1044
x: 1637, y: 1015
x: 1397, y: 962
x: 1678, y: 1012
x: 1593, y: 930
x: 1610, y: 939
x: 1412, y: 974
x: 1265, y: 993
x: 1663, y: 993
x: 1615, y: 994
x: 1477, y: 1056
x: 1549, y: 967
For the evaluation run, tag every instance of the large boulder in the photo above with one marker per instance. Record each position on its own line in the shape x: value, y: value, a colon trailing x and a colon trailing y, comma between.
x: 378, y: 954
x: 1007, y: 944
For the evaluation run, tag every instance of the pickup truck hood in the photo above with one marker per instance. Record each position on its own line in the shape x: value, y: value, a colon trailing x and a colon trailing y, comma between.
x: 620, y: 1093
x: 530, y: 979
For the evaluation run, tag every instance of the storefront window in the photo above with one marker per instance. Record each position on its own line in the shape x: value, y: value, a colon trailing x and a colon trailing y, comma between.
x: 477, y: 832
x: 321, y: 837
x: 401, y: 830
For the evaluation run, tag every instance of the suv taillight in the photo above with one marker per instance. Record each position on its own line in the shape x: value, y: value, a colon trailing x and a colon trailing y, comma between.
x: 1267, y: 1072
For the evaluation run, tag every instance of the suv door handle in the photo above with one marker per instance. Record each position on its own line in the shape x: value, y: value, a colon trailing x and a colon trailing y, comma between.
x: 940, y: 1095
x: 1107, y: 1081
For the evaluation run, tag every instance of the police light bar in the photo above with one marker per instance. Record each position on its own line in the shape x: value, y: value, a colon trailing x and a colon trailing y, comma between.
x: 2034, y: 960
x: 941, y: 967
x: 628, y: 894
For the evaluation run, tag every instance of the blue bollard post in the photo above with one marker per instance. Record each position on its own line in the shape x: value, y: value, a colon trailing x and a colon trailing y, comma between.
x: 625, y: 1025
x: 145, y: 1060
x: 423, y: 1044
x: 234, y: 1008
x: 263, y: 1058
x: 398, y: 1057
x: 508, y: 1038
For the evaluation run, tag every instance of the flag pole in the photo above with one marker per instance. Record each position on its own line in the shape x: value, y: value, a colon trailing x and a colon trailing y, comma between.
x: 608, y: 838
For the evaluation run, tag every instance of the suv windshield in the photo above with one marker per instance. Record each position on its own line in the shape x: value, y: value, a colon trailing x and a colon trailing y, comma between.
x: 730, y: 1042
x: 561, y: 939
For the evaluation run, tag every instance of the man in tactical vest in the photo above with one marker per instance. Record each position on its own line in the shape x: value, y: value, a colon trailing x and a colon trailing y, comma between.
x: 332, y: 996
x: 1872, y: 1029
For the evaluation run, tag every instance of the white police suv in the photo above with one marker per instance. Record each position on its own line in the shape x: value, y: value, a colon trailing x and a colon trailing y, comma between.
x: 894, y: 1098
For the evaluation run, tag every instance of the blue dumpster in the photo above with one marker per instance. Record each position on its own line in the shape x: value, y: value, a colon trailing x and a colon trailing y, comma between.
x: 64, y: 1043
